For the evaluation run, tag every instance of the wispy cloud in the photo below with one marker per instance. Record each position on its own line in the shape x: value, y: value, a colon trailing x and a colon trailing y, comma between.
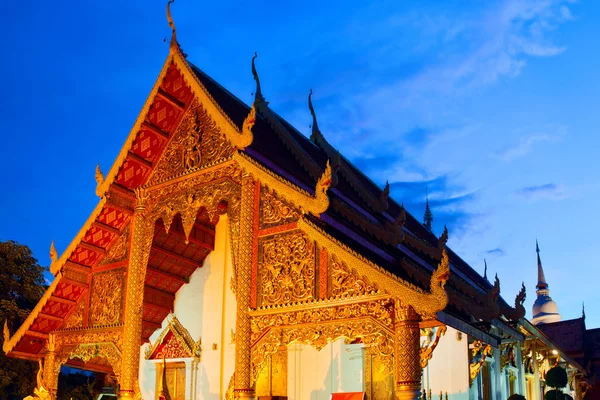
x: 524, y: 147
x: 495, y: 252
x: 548, y: 191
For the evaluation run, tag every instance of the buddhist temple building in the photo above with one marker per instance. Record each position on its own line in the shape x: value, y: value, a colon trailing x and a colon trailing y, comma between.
x: 229, y: 256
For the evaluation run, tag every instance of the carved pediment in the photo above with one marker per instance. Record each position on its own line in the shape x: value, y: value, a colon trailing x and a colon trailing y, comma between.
x: 174, y: 342
x: 197, y: 142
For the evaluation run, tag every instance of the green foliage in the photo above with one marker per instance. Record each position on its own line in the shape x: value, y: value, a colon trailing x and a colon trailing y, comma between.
x: 21, y: 286
x: 517, y: 397
x: 75, y: 386
x: 556, y: 377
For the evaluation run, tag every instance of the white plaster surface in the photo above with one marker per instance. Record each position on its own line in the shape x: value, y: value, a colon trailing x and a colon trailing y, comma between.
x: 206, y: 307
x: 448, y: 369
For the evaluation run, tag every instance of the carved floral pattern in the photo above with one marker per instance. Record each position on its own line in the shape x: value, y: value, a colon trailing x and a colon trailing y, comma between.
x: 287, y: 269
x: 313, y: 314
x: 118, y: 251
x: 197, y: 142
x: 275, y: 210
x: 107, y: 298
x: 371, y: 333
x: 346, y: 282
x: 75, y: 320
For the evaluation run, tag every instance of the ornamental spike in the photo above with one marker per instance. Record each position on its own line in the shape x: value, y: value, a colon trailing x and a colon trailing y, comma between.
x: 258, y: 97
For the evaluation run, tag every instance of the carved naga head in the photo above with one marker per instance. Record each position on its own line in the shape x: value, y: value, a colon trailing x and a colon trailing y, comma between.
x: 441, y: 275
x: 520, y: 299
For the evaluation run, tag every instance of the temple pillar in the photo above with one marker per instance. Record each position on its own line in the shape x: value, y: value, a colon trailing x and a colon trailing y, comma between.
x: 243, y: 368
x: 141, y: 241
x: 51, y: 370
x: 407, y: 355
x: 522, y: 385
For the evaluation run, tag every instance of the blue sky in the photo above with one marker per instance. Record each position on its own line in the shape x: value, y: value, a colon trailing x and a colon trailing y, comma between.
x: 491, y: 105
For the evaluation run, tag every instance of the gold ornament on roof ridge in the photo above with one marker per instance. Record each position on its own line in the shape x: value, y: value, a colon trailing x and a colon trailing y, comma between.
x: 99, y: 180
x: 53, y: 253
x: 307, y: 203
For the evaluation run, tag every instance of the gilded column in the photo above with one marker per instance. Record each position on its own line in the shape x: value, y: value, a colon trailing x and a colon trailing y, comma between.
x: 243, y: 368
x: 407, y: 357
x: 51, y: 370
x: 141, y: 241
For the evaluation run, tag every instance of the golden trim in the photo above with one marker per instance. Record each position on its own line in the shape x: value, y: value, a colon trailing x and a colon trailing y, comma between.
x: 114, y: 170
x: 239, y: 138
x: 181, y: 334
x: 307, y: 203
x: 426, y: 304
x: 57, y: 266
x: 12, y: 342
x: 315, y: 304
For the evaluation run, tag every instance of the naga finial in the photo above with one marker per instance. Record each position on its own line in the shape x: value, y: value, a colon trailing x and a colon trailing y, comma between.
x: 496, y: 288
x: 53, y: 253
x: 441, y: 274
x: 6, y: 331
x: 99, y: 179
x: 521, y: 296
x: 323, y: 185
x: 171, y: 24
x: 443, y: 238
x: 385, y: 194
x: 258, y: 97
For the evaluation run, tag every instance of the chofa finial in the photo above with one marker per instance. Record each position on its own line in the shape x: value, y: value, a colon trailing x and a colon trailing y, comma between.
x: 258, y: 97
x: 171, y: 23
x: 485, y: 269
x: 53, y: 253
x: 99, y: 179
x: 315, y: 126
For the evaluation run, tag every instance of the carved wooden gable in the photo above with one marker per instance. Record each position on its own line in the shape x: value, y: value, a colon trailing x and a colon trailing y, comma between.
x: 196, y: 143
x: 174, y: 342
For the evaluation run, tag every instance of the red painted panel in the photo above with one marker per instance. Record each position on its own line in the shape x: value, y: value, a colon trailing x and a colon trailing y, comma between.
x: 84, y: 256
x: 175, y: 85
x: 148, y: 145
x: 98, y: 237
x: 164, y: 115
x: 58, y: 309
x: 113, y: 217
x: 133, y: 173
x: 44, y: 325
x: 30, y: 344
x: 68, y: 291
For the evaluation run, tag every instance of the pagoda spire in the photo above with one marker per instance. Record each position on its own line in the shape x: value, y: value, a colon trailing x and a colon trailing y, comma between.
x: 582, y: 310
x: 542, y: 284
x: 258, y: 96
x: 544, y: 308
x: 428, y: 216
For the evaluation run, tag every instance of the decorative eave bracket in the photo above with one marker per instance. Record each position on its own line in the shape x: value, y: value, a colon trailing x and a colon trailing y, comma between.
x: 315, y: 205
x: 426, y: 304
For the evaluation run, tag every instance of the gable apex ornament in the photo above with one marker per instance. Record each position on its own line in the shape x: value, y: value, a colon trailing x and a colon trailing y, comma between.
x: 172, y: 25
x: 258, y: 96
x: 53, y: 253
x: 174, y: 342
x: 99, y: 180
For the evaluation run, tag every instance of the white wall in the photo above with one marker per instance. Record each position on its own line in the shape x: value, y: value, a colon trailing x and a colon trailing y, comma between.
x: 314, y: 375
x: 448, y: 369
x: 206, y: 307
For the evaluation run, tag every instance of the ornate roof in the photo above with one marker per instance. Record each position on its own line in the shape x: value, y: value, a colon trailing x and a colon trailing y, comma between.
x: 174, y: 342
x: 360, y: 213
